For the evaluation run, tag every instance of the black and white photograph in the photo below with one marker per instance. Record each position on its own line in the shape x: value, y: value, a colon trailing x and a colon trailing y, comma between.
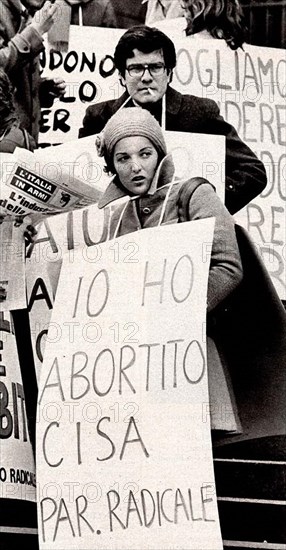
x: 143, y: 274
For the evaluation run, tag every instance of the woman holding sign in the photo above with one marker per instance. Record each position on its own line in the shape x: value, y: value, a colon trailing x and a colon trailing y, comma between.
x: 246, y: 320
x: 135, y: 152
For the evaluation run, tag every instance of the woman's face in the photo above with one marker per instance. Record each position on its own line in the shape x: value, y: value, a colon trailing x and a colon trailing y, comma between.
x: 135, y: 161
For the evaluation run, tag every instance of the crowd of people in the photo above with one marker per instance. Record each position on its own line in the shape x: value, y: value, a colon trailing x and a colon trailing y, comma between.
x: 130, y: 129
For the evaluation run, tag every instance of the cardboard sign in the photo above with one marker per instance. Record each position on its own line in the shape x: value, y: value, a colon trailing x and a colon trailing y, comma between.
x: 122, y: 441
x: 17, y: 470
x: 41, y: 289
x: 58, y: 235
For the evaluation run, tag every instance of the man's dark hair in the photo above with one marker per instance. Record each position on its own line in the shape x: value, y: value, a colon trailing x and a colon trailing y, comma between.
x: 146, y: 40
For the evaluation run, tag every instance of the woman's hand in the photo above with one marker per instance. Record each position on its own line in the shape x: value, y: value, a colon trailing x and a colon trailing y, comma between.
x: 44, y: 18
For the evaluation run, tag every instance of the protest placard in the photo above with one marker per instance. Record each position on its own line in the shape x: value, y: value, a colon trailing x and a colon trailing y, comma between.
x: 122, y: 435
x: 17, y: 470
x: 84, y: 228
x: 42, y: 282
x: 249, y: 85
x: 89, y: 72
x: 250, y: 89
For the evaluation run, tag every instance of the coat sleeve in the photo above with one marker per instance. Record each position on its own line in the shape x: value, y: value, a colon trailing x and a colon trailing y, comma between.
x: 21, y: 49
x: 93, y: 122
x: 245, y: 173
x: 225, y: 264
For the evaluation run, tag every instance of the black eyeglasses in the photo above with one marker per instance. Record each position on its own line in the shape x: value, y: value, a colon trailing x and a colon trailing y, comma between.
x: 137, y: 70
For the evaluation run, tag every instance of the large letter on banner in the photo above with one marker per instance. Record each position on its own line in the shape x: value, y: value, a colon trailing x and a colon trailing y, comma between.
x: 17, y: 470
x: 129, y: 449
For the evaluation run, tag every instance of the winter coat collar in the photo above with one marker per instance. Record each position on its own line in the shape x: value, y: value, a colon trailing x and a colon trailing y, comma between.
x: 111, y: 194
x: 163, y: 176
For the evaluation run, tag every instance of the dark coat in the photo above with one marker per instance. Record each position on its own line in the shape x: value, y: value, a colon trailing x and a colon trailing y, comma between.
x: 245, y: 174
x: 250, y: 328
x: 129, y: 13
x: 16, y: 137
x: 249, y: 331
x: 95, y: 13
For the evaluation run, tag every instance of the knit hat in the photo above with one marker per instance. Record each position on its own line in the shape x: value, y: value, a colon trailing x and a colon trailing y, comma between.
x: 131, y: 121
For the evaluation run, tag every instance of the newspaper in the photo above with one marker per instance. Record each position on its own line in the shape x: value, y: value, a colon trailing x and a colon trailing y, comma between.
x: 35, y: 186
x: 39, y: 184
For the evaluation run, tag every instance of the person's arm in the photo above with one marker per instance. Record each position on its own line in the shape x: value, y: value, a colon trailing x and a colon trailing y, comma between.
x: 225, y: 265
x: 21, y: 49
x: 28, y: 43
x: 245, y: 173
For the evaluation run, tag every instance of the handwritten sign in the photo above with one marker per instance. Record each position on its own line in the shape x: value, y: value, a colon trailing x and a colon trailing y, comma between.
x: 250, y: 88
x: 17, y: 470
x: 88, y: 69
x: 121, y: 433
x: 41, y: 289
x: 58, y: 235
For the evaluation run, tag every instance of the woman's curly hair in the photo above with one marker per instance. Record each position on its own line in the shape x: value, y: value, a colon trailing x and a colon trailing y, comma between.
x: 221, y: 18
x: 8, y: 115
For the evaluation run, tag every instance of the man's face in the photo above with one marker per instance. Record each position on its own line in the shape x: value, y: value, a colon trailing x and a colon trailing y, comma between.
x: 146, y: 87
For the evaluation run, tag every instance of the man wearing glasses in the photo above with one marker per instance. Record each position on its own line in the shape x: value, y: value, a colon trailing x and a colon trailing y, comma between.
x: 145, y: 58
